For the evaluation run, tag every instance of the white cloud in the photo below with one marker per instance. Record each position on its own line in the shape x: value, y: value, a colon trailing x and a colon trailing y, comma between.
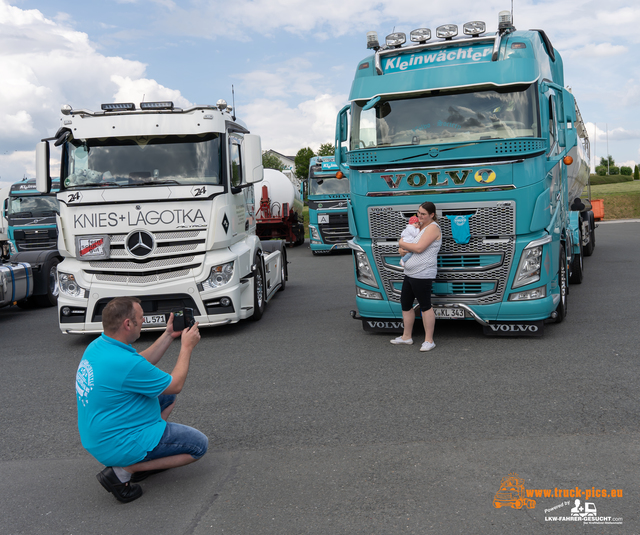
x: 601, y: 133
x: 287, y: 130
x: 44, y: 64
x: 144, y: 89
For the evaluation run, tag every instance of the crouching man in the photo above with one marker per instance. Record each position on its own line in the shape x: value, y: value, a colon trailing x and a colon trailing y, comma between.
x: 124, y: 401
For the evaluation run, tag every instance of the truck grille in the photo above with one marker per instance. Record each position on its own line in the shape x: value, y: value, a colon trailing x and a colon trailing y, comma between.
x: 176, y: 254
x: 336, y: 231
x: 474, y: 273
x: 36, y: 239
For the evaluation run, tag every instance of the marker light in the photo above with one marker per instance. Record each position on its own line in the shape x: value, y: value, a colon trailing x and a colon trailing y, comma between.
x: 339, y: 175
x: 221, y: 104
x: 66, y: 109
x: 568, y: 160
x: 474, y: 28
x: 420, y: 35
x: 447, y: 31
x: 372, y: 40
x: 156, y: 105
x: 396, y: 39
x: 119, y: 106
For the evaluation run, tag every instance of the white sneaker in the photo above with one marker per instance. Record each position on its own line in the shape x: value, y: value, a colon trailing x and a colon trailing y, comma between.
x: 427, y: 346
x: 401, y: 341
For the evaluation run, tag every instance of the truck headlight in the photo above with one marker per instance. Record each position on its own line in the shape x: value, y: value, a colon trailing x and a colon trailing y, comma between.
x: 529, y: 266
x: 529, y: 295
x: 69, y: 286
x: 364, y: 273
x: 315, y: 235
x: 219, y: 276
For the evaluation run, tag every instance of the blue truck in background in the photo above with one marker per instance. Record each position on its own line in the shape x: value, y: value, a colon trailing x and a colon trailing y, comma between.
x: 33, y: 234
x: 482, y: 126
x: 327, y: 197
x: 31, y: 217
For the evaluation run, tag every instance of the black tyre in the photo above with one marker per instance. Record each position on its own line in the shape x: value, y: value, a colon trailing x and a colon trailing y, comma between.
x: 588, y: 249
x: 258, y: 289
x: 577, y: 272
x: 50, y: 271
x: 561, y: 310
x: 284, y: 270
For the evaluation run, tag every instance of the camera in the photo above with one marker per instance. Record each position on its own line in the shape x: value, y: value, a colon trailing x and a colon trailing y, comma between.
x: 182, y: 319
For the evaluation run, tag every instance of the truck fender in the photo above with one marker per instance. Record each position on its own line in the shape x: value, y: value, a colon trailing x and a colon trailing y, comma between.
x: 39, y: 261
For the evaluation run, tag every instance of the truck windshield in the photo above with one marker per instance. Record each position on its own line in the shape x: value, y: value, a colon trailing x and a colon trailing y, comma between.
x: 446, y: 118
x: 31, y: 206
x: 136, y: 161
x: 327, y: 186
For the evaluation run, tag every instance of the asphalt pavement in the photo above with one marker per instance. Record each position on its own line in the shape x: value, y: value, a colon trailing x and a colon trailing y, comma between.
x: 317, y: 427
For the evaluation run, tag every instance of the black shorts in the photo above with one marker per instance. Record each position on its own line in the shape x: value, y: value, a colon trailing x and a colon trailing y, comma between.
x: 419, y: 289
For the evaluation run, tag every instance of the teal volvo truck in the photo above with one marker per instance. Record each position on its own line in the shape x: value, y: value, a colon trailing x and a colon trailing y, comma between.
x: 327, y: 197
x: 31, y: 217
x: 482, y: 126
x: 33, y: 234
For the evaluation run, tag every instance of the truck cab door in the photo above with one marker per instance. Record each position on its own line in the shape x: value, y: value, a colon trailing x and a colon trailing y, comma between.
x: 241, y: 192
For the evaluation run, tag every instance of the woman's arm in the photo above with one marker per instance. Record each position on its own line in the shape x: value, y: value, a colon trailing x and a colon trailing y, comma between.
x: 431, y: 234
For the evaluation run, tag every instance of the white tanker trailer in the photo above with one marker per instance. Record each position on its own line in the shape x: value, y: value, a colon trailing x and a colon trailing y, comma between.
x: 279, y: 209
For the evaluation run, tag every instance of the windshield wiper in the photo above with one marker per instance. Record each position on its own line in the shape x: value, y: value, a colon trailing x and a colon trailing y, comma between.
x: 154, y: 182
x: 94, y: 185
x: 22, y: 214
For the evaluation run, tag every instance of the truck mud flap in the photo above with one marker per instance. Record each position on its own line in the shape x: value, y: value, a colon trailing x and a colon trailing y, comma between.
x: 515, y: 328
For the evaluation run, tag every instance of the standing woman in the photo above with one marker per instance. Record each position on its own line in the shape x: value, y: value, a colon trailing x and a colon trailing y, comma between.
x: 420, y: 271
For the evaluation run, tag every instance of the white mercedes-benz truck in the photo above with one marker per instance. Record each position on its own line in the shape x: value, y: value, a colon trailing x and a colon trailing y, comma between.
x: 157, y: 202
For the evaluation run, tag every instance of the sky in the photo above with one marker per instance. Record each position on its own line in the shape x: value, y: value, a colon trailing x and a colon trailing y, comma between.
x: 290, y: 62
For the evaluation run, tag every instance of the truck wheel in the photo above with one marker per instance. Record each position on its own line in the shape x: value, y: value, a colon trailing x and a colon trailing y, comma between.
x: 588, y: 250
x: 50, y: 270
x: 576, y: 267
x: 561, y: 310
x: 284, y: 270
x: 258, y: 290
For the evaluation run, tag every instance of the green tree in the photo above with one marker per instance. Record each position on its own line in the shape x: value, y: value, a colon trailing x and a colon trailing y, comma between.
x: 608, y: 163
x: 326, y: 149
x: 302, y: 162
x: 636, y: 173
x: 271, y: 161
x: 626, y: 171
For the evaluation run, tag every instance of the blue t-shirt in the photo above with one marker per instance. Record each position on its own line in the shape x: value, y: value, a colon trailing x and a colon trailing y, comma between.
x: 118, y: 409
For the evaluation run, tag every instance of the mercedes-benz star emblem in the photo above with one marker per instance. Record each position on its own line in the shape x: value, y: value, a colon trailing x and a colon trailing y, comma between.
x: 140, y: 243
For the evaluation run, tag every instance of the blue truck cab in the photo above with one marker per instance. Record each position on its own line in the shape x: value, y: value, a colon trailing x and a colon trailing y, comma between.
x: 33, y: 234
x: 31, y: 217
x: 483, y: 127
x: 327, y: 198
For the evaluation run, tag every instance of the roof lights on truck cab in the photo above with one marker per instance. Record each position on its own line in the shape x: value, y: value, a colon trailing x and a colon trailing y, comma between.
x: 396, y: 39
x: 421, y: 35
x: 447, y: 31
x: 474, y: 28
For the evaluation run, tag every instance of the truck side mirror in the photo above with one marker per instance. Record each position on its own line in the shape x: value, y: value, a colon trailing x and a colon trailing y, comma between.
x: 43, y: 177
x: 252, y: 158
x: 342, y: 127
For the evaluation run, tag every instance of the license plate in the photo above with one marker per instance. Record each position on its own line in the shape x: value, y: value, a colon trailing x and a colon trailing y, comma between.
x: 323, y: 219
x: 449, y: 313
x: 157, y: 319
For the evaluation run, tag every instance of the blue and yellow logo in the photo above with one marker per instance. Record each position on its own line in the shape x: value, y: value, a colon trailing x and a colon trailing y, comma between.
x: 485, y: 176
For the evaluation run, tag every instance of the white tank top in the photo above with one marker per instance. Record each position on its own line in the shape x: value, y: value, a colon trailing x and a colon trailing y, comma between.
x: 424, y: 265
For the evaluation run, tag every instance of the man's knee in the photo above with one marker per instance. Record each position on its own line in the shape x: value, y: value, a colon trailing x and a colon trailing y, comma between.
x: 200, y: 446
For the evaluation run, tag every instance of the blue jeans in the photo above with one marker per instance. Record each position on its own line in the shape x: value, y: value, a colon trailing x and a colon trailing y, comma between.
x: 178, y: 438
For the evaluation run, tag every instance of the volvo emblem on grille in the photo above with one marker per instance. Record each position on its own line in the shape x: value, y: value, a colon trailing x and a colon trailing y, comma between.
x: 140, y: 243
